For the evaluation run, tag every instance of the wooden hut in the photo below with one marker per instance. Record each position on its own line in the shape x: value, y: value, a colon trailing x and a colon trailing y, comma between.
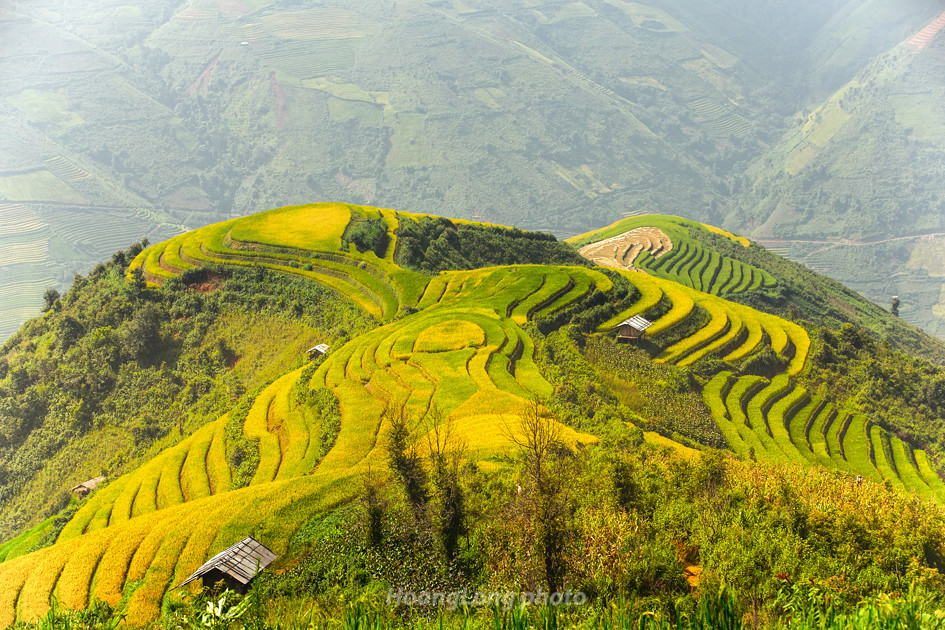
x: 87, y: 486
x: 236, y: 566
x: 632, y: 329
x: 320, y: 349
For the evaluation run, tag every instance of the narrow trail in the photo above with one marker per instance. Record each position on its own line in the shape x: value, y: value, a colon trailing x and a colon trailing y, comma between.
x: 769, y: 242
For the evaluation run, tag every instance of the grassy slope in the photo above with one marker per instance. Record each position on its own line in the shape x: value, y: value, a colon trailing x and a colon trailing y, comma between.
x: 463, y: 354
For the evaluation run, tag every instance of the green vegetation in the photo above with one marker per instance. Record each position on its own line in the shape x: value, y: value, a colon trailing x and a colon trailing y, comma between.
x: 179, y: 371
x: 433, y: 244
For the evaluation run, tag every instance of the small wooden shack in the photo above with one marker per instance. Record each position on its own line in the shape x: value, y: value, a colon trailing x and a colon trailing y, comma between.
x: 317, y: 351
x: 236, y: 566
x: 87, y: 486
x: 632, y: 329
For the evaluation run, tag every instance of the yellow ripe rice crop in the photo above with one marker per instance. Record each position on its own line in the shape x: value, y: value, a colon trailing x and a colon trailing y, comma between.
x: 121, y: 508
x: 259, y: 423
x: 385, y: 385
x: 315, y: 226
x: 145, y: 602
x: 433, y: 292
x: 686, y: 452
x: 196, y: 550
x: 13, y: 573
x: 193, y: 478
x: 801, y: 341
x: 682, y: 307
x: 717, y: 230
x: 294, y: 433
x: 168, y: 489
x: 144, y: 554
x: 101, y: 517
x: 717, y: 324
x: 476, y: 369
x: 453, y: 334
x: 44, y: 573
x: 755, y: 333
x: 110, y: 576
x: 83, y: 517
x: 773, y: 326
x: 650, y: 295
x: 724, y: 327
x: 75, y: 582
x: 526, y: 371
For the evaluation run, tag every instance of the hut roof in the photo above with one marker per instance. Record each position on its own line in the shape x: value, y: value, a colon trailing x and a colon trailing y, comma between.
x: 89, y: 485
x: 637, y: 322
x: 241, y: 561
x: 321, y: 348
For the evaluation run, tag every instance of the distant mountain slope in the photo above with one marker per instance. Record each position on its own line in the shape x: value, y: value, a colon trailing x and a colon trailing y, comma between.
x: 857, y: 189
x: 160, y: 117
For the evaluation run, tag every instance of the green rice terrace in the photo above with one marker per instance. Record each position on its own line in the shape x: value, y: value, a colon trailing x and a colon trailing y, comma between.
x: 458, y: 344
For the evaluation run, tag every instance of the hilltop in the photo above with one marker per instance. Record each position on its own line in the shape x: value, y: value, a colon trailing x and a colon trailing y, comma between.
x: 180, y: 372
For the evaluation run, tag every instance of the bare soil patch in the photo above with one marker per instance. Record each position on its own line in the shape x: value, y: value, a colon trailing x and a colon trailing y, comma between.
x: 208, y: 283
x: 622, y: 250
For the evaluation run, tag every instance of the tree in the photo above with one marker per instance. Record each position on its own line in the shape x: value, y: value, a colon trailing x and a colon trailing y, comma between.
x: 143, y: 333
x: 49, y: 299
x: 404, y: 459
x: 375, y: 505
x: 894, y: 307
x: 538, y: 438
x: 68, y: 331
x: 447, y: 452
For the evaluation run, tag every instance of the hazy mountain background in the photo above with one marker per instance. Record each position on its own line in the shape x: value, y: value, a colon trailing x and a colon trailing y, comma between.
x: 816, y: 127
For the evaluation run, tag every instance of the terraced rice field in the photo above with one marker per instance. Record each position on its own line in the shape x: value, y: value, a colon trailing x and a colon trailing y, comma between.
x: 922, y: 39
x: 780, y: 421
x: 462, y: 358
x: 732, y: 332
x: 464, y: 355
x: 65, y: 169
x: 17, y: 219
x: 293, y: 240
x: 73, y: 226
x: 637, y: 242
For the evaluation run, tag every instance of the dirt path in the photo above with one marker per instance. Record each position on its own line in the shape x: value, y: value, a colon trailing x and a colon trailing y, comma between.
x: 200, y: 85
x: 282, y: 106
x: 769, y: 242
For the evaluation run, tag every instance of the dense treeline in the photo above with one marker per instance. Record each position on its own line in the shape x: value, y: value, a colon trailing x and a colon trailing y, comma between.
x: 115, y: 367
x: 434, y: 244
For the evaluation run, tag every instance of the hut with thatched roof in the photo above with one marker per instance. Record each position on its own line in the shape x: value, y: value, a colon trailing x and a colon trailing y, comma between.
x: 87, y: 486
x: 235, y: 566
x: 632, y: 329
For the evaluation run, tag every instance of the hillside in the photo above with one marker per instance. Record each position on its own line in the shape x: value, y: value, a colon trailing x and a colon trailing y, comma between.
x: 151, y: 119
x: 855, y: 189
x: 249, y: 435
